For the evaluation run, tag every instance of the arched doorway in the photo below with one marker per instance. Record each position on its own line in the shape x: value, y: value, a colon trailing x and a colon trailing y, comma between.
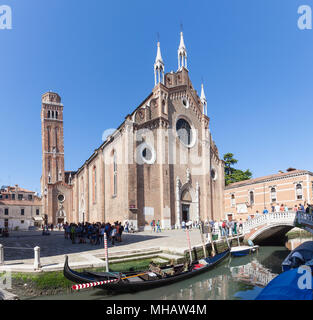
x: 186, y: 202
x: 61, y: 215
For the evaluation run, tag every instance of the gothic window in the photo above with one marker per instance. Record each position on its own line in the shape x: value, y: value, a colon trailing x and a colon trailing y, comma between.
x: 299, y: 191
x: 251, y: 194
x: 48, y: 137
x: 273, y: 195
x: 184, y: 131
x: 232, y: 200
x: 56, y: 170
x: 56, y: 139
x: 49, y: 114
x: 114, y: 174
x: 56, y: 114
x: 52, y: 113
x: 82, y: 185
x: 94, y: 182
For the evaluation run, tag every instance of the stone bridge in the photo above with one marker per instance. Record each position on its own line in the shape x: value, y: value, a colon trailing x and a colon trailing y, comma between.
x: 272, y: 227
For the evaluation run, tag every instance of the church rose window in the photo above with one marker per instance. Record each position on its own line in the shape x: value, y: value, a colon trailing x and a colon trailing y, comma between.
x: 184, y: 132
x: 148, y: 154
x: 185, y: 102
x: 61, y: 197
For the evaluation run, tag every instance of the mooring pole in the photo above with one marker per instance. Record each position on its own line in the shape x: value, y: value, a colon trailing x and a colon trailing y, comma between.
x: 189, y: 244
x: 106, y: 252
x: 1, y: 254
x: 211, y: 239
x: 202, y: 239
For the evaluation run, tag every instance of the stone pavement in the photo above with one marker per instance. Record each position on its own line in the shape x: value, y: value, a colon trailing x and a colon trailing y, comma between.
x: 54, y: 247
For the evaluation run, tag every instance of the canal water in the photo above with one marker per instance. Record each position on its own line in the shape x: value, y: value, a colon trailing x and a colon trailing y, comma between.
x: 241, y: 278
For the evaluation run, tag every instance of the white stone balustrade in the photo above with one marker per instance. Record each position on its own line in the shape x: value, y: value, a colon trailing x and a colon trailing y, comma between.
x: 269, y: 218
x: 305, y: 218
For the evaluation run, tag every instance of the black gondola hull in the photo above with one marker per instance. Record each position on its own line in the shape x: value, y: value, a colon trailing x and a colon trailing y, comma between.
x: 124, y: 287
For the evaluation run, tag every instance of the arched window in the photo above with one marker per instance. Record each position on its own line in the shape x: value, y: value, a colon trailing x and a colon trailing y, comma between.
x: 273, y: 195
x: 49, y: 114
x: 299, y: 191
x: 251, y: 195
x: 48, y: 136
x: 232, y: 200
x: 56, y: 114
x: 94, y: 183
x: 52, y: 114
x: 114, y: 174
x: 56, y: 170
x: 184, y: 131
x: 56, y: 139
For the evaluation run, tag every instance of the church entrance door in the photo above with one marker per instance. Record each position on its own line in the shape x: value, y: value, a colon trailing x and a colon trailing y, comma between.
x: 185, y: 211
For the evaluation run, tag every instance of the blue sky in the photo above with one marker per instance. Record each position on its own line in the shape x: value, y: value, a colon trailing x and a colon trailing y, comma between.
x: 98, y: 55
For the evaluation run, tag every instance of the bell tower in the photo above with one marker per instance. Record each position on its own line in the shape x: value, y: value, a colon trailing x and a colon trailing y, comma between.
x: 52, y: 139
x: 52, y: 142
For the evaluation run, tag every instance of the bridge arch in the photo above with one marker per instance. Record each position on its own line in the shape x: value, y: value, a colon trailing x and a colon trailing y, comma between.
x: 269, y: 228
x: 271, y: 234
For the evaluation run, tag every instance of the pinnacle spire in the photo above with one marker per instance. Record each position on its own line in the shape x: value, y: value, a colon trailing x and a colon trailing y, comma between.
x: 182, y: 43
x: 182, y: 53
x: 159, y: 55
x: 203, y: 101
x: 158, y: 66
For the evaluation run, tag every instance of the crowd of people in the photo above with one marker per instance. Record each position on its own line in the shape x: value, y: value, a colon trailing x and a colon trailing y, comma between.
x: 284, y: 208
x: 155, y: 226
x: 92, y: 233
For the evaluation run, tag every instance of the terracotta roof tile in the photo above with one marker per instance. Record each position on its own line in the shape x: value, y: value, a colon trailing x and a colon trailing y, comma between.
x: 269, y: 177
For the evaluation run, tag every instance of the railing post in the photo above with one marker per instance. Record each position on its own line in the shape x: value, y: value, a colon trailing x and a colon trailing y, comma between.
x: 1, y: 255
x: 37, y: 265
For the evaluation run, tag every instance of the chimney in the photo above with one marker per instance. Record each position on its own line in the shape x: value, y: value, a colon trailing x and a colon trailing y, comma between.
x: 280, y: 171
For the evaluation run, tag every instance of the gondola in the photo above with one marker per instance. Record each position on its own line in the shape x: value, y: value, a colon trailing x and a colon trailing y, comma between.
x: 137, y: 281
x: 242, y: 250
x: 301, y: 255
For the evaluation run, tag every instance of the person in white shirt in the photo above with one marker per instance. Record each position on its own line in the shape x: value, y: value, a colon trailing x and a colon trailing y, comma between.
x: 277, y: 208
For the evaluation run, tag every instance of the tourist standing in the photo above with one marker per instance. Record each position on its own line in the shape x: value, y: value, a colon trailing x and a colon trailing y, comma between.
x: 277, y: 208
x: 113, y: 235
x: 265, y: 211
x: 158, y: 226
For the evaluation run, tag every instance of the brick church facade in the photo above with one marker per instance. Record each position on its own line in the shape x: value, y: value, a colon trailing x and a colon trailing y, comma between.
x: 161, y: 163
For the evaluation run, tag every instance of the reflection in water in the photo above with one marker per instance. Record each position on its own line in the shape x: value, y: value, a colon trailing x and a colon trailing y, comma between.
x: 234, y: 278
x: 253, y: 273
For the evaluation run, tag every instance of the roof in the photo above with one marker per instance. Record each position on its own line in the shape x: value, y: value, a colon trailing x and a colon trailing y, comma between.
x: 22, y: 203
x: 268, y: 178
x: 9, y: 189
